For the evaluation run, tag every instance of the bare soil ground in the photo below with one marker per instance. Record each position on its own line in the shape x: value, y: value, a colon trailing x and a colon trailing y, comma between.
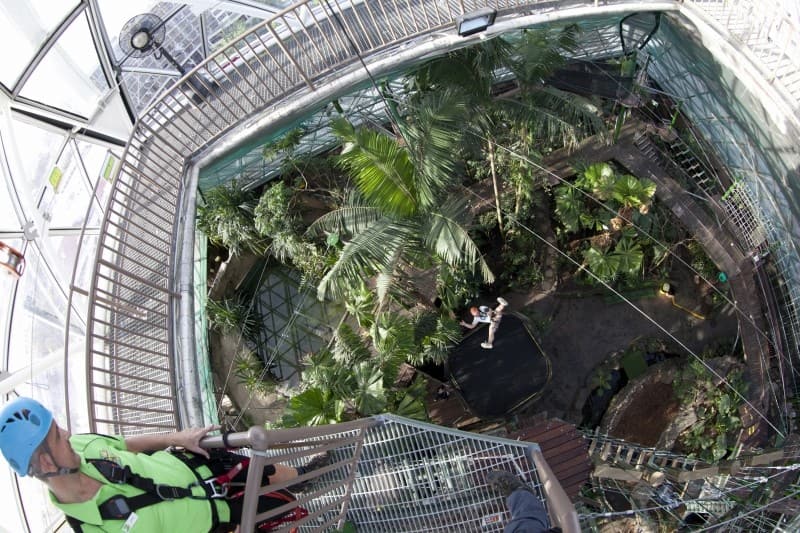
x: 644, y: 419
x: 578, y: 332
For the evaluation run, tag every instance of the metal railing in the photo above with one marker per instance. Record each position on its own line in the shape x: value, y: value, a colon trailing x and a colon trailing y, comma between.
x: 389, y: 473
x: 130, y: 349
x: 765, y: 31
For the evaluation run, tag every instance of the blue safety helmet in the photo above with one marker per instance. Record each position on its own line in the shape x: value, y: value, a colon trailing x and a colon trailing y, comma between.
x: 24, y: 424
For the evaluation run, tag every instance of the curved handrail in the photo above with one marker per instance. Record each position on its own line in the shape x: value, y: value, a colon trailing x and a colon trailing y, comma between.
x: 129, y: 347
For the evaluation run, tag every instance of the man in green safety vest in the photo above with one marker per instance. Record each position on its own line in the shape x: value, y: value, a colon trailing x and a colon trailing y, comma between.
x: 146, y: 483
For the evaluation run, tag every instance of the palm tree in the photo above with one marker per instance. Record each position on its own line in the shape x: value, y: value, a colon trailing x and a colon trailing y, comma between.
x: 536, y: 115
x: 401, y: 214
x: 226, y: 218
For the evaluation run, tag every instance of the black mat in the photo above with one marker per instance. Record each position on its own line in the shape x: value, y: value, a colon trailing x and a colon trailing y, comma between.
x: 494, y: 381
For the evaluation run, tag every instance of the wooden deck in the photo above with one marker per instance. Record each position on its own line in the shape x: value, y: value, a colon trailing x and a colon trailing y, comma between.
x: 565, y: 449
x: 449, y: 412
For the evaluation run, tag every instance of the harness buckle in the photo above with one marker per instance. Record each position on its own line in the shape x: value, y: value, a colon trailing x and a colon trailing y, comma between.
x: 215, y: 489
x: 166, y: 492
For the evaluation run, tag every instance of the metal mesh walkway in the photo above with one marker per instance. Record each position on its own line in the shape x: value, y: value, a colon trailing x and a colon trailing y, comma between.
x: 389, y: 473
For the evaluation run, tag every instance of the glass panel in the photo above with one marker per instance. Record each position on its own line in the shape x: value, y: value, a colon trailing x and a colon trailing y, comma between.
x: 223, y: 27
x: 37, y: 150
x: 100, y: 163
x: 24, y: 26
x: 7, y: 287
x: 72, y: 66
x: 143, y: 88
x: 61, y: 252
x: 12, y: 514
x: 66, y: 197
x: 37, y: 325
x: 82, y: 279
x: 10, y: 220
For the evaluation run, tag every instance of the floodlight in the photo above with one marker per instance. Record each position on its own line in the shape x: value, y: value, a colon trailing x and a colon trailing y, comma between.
x: 476, y: 21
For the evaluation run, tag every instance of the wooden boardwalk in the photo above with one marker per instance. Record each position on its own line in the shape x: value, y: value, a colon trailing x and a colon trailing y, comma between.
x: 565, y: 449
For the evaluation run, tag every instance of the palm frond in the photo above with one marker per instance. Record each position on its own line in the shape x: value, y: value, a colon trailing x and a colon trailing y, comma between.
x: 383, y: 171
x: 558, y: 117
x: 366, y: 254
x: 433, y: 134
x: 349, y: 220
x: 348, y: 347
x: 539, y: 53
x: 445, y: 234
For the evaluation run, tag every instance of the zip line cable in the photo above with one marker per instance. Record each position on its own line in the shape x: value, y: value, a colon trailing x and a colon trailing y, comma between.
x: 239, y: 343
x: 641, y: 312
x: 728, y: 217
x: 732, y: 303
x: 286, y: 328
x: 597, y: 201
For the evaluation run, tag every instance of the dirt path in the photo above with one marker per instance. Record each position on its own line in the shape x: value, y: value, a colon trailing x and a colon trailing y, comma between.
x: 578, y: 334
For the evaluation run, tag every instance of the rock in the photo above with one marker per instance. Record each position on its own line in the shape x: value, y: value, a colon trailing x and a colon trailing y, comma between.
x: 684, y: 420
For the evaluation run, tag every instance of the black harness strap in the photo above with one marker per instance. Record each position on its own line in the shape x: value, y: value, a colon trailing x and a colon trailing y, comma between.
x: 74, y: 523
x: 121, y: 507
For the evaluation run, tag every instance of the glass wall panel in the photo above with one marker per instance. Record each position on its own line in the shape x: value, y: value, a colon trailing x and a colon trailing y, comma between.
x: 7, y: 288
x: 66, y: 197
x: 36, y: 151
x: 100, y: 163
x: 144, y: 88
x: 71, y: 65
x: 9, y: 221
x: 37, y: 323
x: 24, y: 27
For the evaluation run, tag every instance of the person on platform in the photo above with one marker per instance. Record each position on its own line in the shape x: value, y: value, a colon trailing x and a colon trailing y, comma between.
x: 528, y: 515
x: 485, y: 315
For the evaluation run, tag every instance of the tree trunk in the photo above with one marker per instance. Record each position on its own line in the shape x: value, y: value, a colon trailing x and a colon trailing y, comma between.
x: 496, y: 188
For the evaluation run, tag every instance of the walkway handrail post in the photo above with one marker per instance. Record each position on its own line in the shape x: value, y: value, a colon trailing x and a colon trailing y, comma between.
x: 562, y: 512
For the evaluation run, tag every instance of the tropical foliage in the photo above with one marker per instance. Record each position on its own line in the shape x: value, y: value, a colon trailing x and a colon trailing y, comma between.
x: 402, y: 214
x: 604, y: 209
x: 716, y: 406
x: 234, y: 316
x: 357, y: 375
x: 226, y: 217
x: 250, y: 372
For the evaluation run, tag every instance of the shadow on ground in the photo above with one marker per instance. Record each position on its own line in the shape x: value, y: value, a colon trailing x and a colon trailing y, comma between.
x: 579, y: 332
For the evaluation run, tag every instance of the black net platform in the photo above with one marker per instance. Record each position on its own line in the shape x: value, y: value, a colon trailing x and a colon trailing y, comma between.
x: 495, y: 382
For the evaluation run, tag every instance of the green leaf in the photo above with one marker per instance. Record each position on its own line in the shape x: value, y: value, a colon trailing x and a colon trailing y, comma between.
x: 312, y: 407
x: 720, y: 448
x: 370, y: 397
x: 411, y: 406
x: 599, y: 179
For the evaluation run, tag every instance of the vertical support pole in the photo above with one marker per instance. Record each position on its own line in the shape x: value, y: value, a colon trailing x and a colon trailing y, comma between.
x: 258, y: 441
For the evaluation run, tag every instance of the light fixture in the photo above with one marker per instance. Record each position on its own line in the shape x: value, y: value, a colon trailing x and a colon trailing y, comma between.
x: 12, y: 262
x: 141, y: 40
x: 476, y: 21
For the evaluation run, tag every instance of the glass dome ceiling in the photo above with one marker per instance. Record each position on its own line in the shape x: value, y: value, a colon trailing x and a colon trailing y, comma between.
x: 69, y: 97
